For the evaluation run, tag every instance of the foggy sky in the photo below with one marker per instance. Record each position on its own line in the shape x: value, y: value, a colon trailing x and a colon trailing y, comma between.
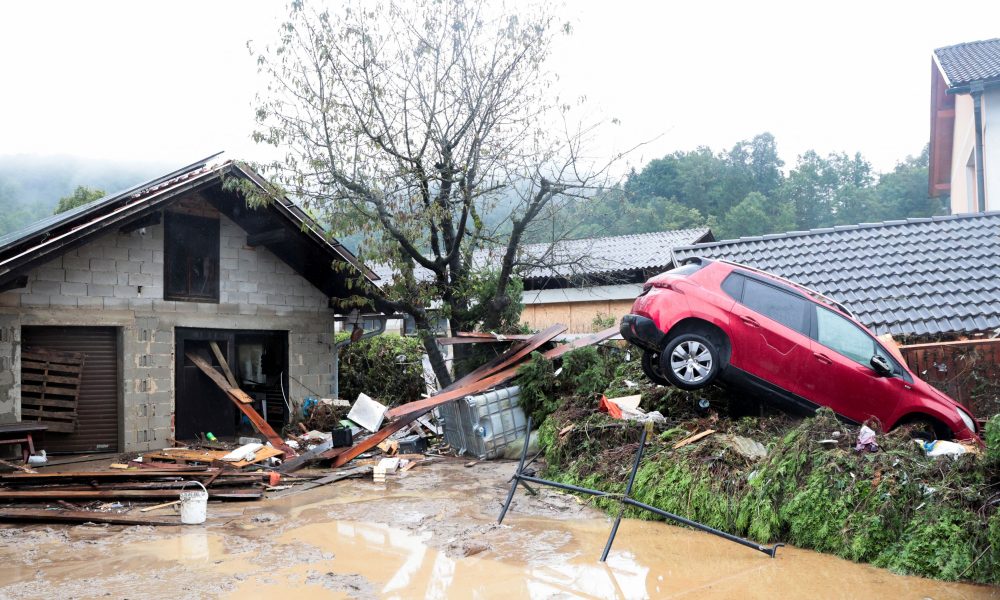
x: 170, y: 82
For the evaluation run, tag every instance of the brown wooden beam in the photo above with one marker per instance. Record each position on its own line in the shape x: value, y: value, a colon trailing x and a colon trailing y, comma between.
x: 80, y: 516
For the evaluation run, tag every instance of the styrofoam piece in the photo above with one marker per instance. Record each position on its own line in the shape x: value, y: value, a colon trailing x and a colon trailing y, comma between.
x: 367, y: 413
x: 244, y: 452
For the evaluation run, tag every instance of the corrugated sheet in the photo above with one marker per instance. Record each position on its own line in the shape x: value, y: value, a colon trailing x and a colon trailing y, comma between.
x: 97, y: 405
x: 915, y: 277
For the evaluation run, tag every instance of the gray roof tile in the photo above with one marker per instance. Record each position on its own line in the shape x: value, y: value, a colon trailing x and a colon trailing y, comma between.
x: 971, y: 61
x: 926, y: 276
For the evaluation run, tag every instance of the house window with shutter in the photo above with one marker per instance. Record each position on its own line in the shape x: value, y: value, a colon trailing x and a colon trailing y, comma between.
x: 190, y: 258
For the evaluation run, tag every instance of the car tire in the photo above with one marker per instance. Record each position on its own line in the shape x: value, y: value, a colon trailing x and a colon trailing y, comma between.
x: 651, y: 367
x: 690, y: 361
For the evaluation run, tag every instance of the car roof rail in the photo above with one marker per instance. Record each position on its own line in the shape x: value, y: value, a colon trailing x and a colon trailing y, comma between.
x: 811, y: 292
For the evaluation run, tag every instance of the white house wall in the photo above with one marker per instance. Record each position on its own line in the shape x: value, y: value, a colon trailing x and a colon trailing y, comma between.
x: 98, y: 285
x: 963, y: 183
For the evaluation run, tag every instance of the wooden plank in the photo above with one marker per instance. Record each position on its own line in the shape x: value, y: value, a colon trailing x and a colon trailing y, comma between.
x: 80, y: 516
x: 99, y: 494
x: 54, y: 477
x: 406, y: 413
x: 511, y: 356
x: 693, y: 438
x: 225, y: 365
x: 42, y: 366
x: 296, y: 463
x: 240, y: 395
x: 259, y: 456
x: 50, y: 378
x: 47, y: 401
x: 48, y: 414
x: 258, y: 421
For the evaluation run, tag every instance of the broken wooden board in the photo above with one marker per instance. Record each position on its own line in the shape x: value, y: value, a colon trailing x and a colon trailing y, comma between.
x: 305, y: 458
x: 513, y: 355
x: 80, y: 516
x: 258, y: 421
x: 99, y: 494
x: 50, y: 387
x: 406, y: 413
x: 185, y: 455
x: 117, y: 475
x: 693, y: 438
x: 224, y: 364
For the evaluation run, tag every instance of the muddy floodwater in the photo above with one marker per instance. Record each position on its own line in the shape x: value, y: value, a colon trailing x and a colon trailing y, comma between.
x: 428, y: 533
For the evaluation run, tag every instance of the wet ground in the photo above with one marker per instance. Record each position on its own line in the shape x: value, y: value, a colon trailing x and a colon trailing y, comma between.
x: 428, y: 533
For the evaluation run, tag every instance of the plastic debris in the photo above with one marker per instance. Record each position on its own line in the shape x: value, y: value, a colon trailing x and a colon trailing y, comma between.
x: 367, y: 413
x: 942, y: 448
x: 866, y: 440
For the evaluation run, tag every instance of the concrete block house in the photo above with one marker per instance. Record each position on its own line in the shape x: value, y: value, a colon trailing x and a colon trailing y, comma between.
x: 133, y: 283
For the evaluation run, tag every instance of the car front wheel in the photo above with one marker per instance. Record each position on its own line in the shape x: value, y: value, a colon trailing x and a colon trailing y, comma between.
x: 690, y: 361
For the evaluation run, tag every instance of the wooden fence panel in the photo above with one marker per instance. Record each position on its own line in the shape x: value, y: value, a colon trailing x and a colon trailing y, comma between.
x: 968, y: 371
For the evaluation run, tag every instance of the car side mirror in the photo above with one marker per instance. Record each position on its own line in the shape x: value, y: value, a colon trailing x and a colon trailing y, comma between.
x: 881, y: 366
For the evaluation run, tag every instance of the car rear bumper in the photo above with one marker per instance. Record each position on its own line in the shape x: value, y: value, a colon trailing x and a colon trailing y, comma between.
x: 642, y: 332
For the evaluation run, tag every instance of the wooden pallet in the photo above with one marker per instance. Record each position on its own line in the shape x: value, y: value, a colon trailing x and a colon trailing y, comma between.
x: 50, y: 387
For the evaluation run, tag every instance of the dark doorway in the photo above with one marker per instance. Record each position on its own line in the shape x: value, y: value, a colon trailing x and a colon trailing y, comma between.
x: 98, y: 402
x: 258, y: 360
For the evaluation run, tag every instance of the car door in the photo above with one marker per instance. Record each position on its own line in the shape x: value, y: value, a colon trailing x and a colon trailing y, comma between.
x: 770, y: 336
x: 841, y: 373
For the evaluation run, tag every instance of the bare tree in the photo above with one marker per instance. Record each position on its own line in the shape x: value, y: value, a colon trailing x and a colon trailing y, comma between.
x: 406, y: 123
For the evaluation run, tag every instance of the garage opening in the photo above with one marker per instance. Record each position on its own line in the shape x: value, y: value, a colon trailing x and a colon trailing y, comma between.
x: 70, y: 382
x: 258, y: 360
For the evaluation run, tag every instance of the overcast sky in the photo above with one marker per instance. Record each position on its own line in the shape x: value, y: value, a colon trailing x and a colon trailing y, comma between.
x: 172, y: 81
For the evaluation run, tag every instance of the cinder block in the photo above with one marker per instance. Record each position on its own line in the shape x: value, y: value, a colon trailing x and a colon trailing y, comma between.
x: 151, y: 268
x: 186, y: 307
x: 112, y: 303
x: 247, y: 309
x: 78, y: 276
x: 246, y: 266
x: 116, y: 253
x: 98, y: 264
x: 124, y: 291
x: 35, y: 300
x: 73, y: 289
x: 228, y: 308
x: 206, y: 308
x: 104, y: 277
x: 127, y: 266
x: 91, y: 302
x: 140, y: 304
x: 158, y: 257
x: 45, y: 287
x: 10, y: 299
x: 75, y: 262
x: 164, y: 305
x: 144, y: 279
x: 62, y: 301
x: 140, y: 255
x: 94, y: 289
x: 228, y: 264
x: 257, y: 298
x: 50, y: 274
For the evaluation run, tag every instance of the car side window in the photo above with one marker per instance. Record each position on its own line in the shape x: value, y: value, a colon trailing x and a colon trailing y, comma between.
x: 840, y: 335
x: 779, y: 305
x: 733, y: 286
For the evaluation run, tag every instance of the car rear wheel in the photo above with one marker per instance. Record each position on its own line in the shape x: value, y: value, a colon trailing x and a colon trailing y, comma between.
x: 690, y: 361
x: 651, y: 367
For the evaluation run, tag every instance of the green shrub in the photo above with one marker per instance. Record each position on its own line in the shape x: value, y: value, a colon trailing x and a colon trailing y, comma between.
x: 992, y: 435
x: 387, y: 367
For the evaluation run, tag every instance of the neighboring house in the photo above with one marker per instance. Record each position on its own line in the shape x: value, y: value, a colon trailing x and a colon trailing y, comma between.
x: 917, y: 279
x: 965, y: 126
x: 576, y: 281
x: 137, y: 280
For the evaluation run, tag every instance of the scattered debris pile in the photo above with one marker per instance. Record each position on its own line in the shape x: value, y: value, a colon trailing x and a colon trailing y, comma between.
x: 892, y: 503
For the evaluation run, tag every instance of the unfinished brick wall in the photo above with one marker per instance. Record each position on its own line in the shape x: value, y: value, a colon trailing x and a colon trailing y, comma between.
x: 99, y: 284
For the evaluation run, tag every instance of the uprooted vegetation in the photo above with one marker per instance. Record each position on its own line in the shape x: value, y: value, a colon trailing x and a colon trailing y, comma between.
x: 895, y: 508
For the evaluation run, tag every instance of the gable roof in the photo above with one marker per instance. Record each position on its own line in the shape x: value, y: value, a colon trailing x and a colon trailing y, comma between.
x: 915, y: 277
x: 966, y: 63
x: 302, y: 244
x: 584, y: 258
x: 608, y: 255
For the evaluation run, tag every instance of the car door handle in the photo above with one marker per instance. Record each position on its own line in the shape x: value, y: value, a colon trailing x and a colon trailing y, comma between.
x: 823, y: 358
x: 750, y: 321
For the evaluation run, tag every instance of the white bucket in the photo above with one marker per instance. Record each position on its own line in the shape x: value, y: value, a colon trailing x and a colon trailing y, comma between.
x: 194, y: 505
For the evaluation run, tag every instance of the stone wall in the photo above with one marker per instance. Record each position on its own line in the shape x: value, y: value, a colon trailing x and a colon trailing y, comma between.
x: 117, y: 280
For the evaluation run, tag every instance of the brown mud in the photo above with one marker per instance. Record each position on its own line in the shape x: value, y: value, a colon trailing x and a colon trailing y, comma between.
x: 428, y: 533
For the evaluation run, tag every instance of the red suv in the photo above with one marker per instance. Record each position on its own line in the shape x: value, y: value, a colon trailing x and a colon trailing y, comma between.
x: 712, y: 321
